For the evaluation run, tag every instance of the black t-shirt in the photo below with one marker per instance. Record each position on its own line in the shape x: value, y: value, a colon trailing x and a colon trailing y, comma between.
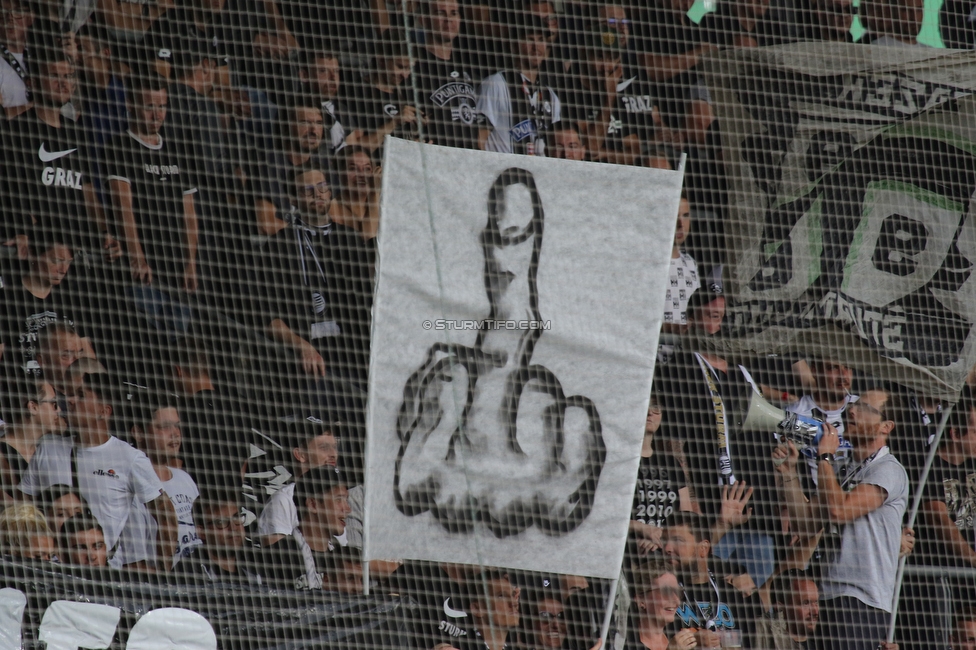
x: 159, y: 181
x: 448, y: 97
x: 196, y: 569
x: 916, y: 430
x: 103, y: 116
x: 955, y: 486
x: 632, y: 113
x: 216, y: 432
x: 277, y: 179
x: 476, y: 642
x: 193, y: 126
x: 441, y: 615
x: 656, y: 496
x: 689, y: 416
x: 16, y: 462
x: 284, y: 567
x: 670, y: 34
x: 721, y: 603
x: 43, y: 171
x: 369, y: 108
x: 317, y: 280
x: 24, y: 315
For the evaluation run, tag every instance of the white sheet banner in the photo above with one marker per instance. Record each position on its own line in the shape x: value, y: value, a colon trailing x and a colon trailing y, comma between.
x: 515, y: 329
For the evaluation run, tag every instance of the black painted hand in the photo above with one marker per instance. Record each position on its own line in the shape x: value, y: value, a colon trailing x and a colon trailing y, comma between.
x: 486, y: 435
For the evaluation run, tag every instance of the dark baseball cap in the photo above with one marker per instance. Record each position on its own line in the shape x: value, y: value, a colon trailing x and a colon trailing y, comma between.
x: 187, y: 49
x: 316, y: 482
x: 711, y: 287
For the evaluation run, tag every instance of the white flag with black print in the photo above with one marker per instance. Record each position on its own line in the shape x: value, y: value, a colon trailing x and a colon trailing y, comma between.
x: 514, y: 335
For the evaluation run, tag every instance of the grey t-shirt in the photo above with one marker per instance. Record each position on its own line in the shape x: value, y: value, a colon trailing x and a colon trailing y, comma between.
x: 865, y: 565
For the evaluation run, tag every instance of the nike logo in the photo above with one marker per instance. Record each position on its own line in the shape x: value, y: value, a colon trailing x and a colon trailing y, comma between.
x: 48, y: 156
x: 453, y: 613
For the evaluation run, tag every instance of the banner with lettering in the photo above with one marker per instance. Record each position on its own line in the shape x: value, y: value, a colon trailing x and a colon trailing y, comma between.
x: 851, y: 171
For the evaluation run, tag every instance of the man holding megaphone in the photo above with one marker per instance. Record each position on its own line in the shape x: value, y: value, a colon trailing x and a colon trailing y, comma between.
x: 859, y: 506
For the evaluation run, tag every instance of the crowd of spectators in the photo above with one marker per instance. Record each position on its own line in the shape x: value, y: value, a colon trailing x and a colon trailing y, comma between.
x: 189, y: 200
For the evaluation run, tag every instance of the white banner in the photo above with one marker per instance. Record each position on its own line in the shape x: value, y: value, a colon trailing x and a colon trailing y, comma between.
x: 515, y: 329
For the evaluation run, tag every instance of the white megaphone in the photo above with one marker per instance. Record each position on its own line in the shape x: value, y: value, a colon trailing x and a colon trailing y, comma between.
x: 763, y: 416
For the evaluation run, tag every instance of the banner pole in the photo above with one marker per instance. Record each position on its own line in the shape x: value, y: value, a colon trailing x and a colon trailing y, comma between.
x: 611, y: 601
x: 916, y: 503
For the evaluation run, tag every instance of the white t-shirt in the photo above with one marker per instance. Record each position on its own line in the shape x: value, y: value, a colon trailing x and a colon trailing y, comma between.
x: 112, y: 477
x: 336, y: 134
x: 138, y: 540
x: 280, y: 515
x: 139, y: 537
x: 182, y: 491
x: 683, y: 276
x: 865, y: 565
x: 12, y: 87
x: 354, y: 520
x: 495, y: 103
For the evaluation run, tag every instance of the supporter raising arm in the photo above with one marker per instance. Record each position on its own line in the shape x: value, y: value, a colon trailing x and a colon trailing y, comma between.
x: 615, y: 110
x: 862, y: 502
x: 946, y: 534
x: 302, y: 147
x: 384, y: 104
x: 518, y: 105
